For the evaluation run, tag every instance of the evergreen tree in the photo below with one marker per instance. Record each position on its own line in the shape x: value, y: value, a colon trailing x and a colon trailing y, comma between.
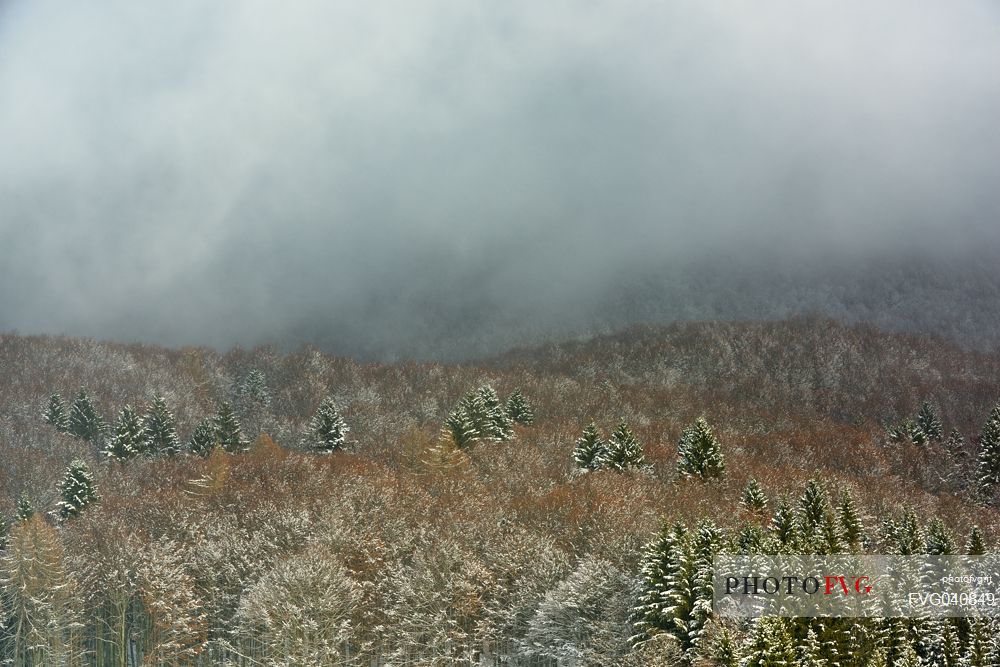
x: 160, y: 430
x: 908, y: 537
x: 850, y: 522
x: 25, y: 508
x: 84, y: 422
x: 817, y: 523
x: 939, y: 541
x: 937, y: 644
x: 676, y: 585
x: 659, y: 570
x: 783, y: 526
x: 77, y: 490
x: 228, y: 433
x: 590, y: 450
x: 928, y: 423
x: 623, y: 450
x: 811, y: 651
x: 202, y: 440
x: 699, y: 452
x: 252, y: 399
x: 55, y: 414
x: 472, y: 407
x: 499, y: 426
x: 988, y: 462
x: 127, y: 439
x: 754, y: 499
x: 327, y: 430
x: 957, y: 470
x: 751, y: 540
x: 459, y: 429
x: 771, y: 644
x: 978, y: 650
x: 252, y: 390
x: 519, y: 410
x: 724, y: 651
x: 907, y: 430
x: 976, y: 544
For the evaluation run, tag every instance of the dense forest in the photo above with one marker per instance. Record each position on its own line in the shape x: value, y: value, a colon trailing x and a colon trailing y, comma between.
x: 554, y: 505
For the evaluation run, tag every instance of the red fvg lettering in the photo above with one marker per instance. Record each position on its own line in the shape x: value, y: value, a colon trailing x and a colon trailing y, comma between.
x: 857, y: 583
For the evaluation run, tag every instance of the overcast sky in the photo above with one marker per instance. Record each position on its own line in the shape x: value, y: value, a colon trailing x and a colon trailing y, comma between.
x: 213, y: 172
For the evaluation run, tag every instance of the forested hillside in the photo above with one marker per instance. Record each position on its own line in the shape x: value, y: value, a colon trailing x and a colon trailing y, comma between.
x: 185, y: 507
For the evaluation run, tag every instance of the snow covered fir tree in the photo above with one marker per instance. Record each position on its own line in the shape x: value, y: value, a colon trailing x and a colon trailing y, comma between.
x: 84, y: 422
x: 327, y: 430
x: 159, y: 430
x: 228, y: 432
x: 699, y: 452
x: 128, y: 439
x: 56, y: 415
x: 76, y: 491
x: 590, y: 449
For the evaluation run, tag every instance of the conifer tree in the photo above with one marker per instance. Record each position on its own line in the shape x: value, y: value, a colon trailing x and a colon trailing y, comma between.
x: 590, y: 450
x: 77, y: 490
x: 817, y: 524
x: 623, y: 450
x: 976, y: 544
x: 724, y: 650
x: 939, y: 541
x: 700, y: 454
x: 908, y: 537
x: 783, y: 525
x: 471, y: 406
x: 676, y: 585
x: 252, y: 389
x: 55, y: 414
x: 519, y: 410
x: 202, y: 440
x: 228, y: 433
x: 127, y: 438
x: 988, y: 462
x: 928, y: 423
x: 499, y: 426
x: 978, y: 650
x: 160, y: 430
x: 659, y: 569
x: 252, y: 400
x: 327, y: 430
x: 956, y: 471
x: 751, y: 540
x: 84, y: 422
x: 938, y: 643
x: 25, y: 508
x: 811, y: 651
x: 850, y: 521
x: 771, y: 644
x: 460, y: 429
x: 754, y: 499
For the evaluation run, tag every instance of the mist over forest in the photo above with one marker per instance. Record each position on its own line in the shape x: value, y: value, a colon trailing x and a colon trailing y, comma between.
x: 449, y: 181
